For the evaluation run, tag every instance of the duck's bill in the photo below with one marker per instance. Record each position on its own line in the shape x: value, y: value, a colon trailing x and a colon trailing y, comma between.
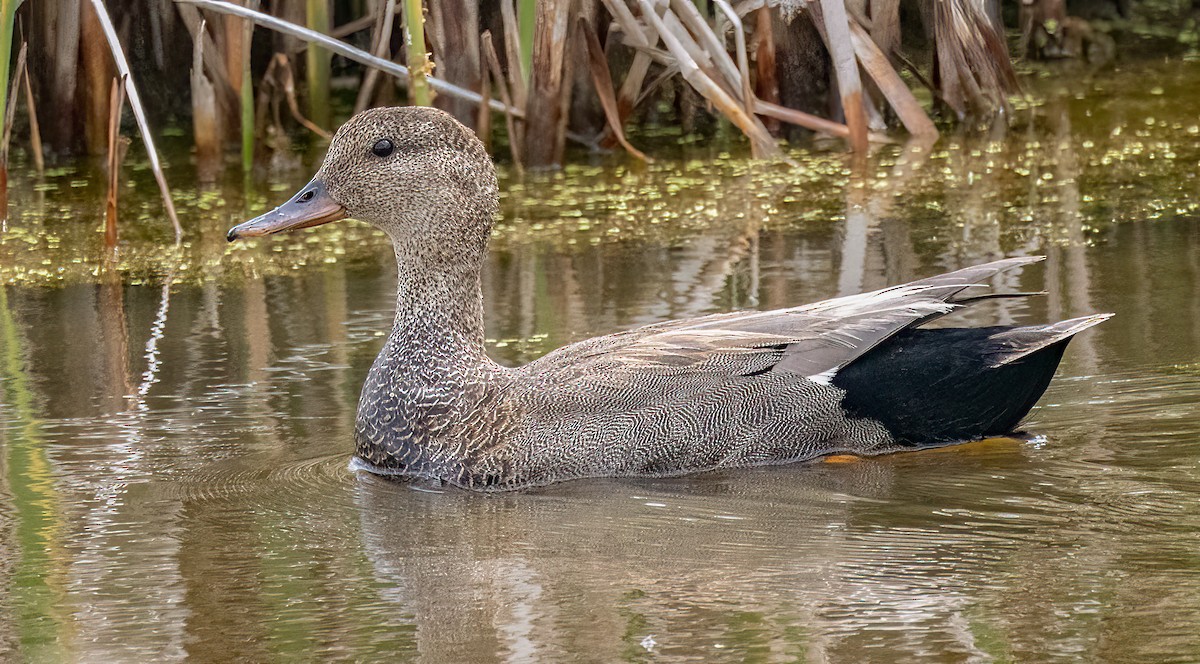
x: 311, y: 207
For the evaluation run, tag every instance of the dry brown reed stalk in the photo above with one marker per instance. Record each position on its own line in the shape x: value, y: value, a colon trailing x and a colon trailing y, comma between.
x: 512, y: 52
x: 874, y: 61
x: 139, y: 114
x: 627, y: 96
x: 237, y: 102
x: 229, y: 28
x: 96, y: 72
x: 454, y: 29
x: 483, y: 124
x: 285, y: 79
x: 885, y: 26
x: 59, y: 41
x: 206, y: 122
x: 350, y: 27
x: 806, y: 120
x: 515, y: 135
x: 764, y: 63
x: 974, y: 72
x: 341, y: 48
x: 874, y: 58
x: 681, y: 47
x: 602, y: 80
x: 638, y: 37
x: 743, y: 61
x: 702, y: 41
x: 837, y: 39
x: 117, y: 145
x: 383, y: 40
x: 35, y: 131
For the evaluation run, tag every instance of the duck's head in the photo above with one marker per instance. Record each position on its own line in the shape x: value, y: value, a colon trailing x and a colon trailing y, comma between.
x: 414, y: 172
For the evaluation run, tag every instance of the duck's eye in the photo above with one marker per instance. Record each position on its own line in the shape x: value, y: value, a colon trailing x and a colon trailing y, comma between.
x: 382, y: 148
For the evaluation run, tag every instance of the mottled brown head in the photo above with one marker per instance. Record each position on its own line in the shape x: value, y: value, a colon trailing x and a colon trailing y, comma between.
x: 414, y: 172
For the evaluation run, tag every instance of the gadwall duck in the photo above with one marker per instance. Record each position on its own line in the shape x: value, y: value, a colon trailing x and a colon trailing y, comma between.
x: 853, y: 375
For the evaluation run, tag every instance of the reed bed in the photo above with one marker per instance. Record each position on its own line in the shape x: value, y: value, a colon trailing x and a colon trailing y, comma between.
x: 264, y: 73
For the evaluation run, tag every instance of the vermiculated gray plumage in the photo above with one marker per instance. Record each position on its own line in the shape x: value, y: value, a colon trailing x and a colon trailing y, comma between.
x: 720, y: 391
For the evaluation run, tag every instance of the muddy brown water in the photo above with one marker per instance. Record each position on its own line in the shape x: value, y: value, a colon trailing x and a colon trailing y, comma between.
x: 175, y: 427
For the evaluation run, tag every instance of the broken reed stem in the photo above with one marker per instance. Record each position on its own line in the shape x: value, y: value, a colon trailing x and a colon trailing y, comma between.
x: 139, y: 114
x: 288, y: 81
x: 206, y: 125
x: 345, y: 50
x: 117, y: 145
x: 212, y: 55
x: 544, y: 130
x: 492, y: 62
x: 96, y: 71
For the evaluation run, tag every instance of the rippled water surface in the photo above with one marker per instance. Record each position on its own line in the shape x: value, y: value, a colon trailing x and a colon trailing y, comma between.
x: 175, y: 430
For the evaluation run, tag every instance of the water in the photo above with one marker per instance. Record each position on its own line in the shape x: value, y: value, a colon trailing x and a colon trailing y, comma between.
x: 175, y: 429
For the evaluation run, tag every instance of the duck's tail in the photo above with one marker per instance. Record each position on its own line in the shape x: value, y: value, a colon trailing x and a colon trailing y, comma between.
x: 937, y: 386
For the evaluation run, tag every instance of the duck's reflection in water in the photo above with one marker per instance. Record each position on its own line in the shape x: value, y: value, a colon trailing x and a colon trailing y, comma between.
x: 795, y: 562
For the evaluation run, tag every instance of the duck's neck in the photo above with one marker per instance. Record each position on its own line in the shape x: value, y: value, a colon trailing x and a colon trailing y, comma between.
x: 439, y: 304
x: 432, y: 372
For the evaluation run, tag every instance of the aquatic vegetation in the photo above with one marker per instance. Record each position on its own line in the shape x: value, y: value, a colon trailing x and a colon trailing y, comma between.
x: 1076, y: 160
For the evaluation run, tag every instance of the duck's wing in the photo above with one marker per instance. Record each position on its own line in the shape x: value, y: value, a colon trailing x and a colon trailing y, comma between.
x: 813, y: 340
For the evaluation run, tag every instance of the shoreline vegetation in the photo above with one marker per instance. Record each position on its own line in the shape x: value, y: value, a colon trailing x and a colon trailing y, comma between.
x: 258, y: 77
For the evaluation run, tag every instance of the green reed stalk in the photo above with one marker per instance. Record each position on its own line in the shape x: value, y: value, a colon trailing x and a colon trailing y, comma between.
x: 527, y: 18
x: 247, y: 96
x: 8, y: 13
x: 318, y: 65
x: 414, y: 43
